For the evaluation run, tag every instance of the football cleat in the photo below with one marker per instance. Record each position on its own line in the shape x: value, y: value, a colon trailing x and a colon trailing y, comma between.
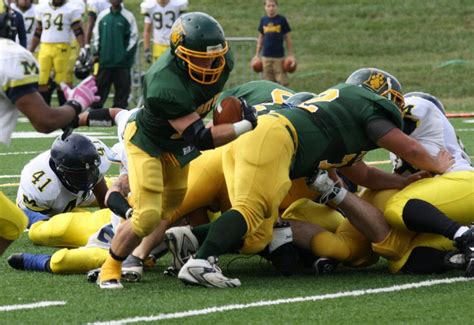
x: 132, y: 269
x: 455, y: 260
x: 16, y: 261
x: 30, y: 262
x: 182, y: 244
x: 465, y: 243
x: 205, y: 273
x: 110, y: 284
x: 93, y: 275
x: 324, y: 266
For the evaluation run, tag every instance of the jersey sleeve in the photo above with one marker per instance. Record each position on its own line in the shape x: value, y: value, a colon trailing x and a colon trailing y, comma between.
x: 76, y: 16
x: 22, y: 77
x: 285, y: 26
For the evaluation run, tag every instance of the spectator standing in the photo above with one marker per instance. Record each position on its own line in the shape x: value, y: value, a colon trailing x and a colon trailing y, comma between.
x: 18, y: 25
x: 115, y: 43
x: 274, y: 32
x: 159, y: 17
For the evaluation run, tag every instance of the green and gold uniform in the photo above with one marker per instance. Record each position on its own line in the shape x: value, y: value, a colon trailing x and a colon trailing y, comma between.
x: 157, y: 154
x: 330, y: 130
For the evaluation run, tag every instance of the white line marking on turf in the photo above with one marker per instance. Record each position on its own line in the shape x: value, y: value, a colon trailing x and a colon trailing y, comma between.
x: 19, y: 153
x: 40, y: 304
x: 355, y: 293
x: 10, y: 176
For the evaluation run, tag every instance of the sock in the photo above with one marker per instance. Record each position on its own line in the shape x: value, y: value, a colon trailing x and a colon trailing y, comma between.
x: 201, y: 232
x: 36, y: 262
x: 61, y: 97
x: 34, y: 217
x: 225, y: 235
x: 425, y: 260
x: 111, y: 269
x: 421, y: 216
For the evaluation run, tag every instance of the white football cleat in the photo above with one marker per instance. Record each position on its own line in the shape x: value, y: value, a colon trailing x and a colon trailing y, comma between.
x: 205, y: 273
x: 109, y: 284
x: 132, y: 269
x: 182, y: 244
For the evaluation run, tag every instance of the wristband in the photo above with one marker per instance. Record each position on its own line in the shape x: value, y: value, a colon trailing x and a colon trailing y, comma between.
x: 241, y: 127
x: 119, y: 205
x: 74, y: 104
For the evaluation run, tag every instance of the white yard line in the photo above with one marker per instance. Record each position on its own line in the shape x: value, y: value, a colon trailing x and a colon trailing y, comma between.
x: 40, y: 304
x: 19, y: 153
x: 10, y: 176
x: 224, y: 308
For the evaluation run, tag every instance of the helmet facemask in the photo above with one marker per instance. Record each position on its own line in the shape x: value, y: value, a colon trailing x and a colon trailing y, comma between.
x: 205, y: 76
x: 84, y: 179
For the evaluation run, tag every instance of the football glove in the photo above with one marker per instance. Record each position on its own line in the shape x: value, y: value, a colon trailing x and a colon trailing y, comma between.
x: 329, y: 190
x: 84, y: 93
x: 250, y: 113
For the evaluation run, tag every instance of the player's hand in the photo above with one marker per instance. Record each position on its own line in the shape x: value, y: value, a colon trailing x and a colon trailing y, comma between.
x: 445, y: 161
x: 84, y: 93
x: 250, y: 113
x: 148, y: 56
x: 84, y: 53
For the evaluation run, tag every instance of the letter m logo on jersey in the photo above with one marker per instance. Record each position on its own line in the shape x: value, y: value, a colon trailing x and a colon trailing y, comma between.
x: 29, y: 68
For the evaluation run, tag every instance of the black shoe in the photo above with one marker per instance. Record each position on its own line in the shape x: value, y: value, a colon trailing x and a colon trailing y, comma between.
x: 465, y: 243
x: 324, y: 266
x: 16, y: 261
x: 455, y: 260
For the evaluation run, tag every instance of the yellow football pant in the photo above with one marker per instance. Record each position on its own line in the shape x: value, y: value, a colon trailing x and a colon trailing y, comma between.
x: 70, y: 229
x: 73, y: 55
x: 452, y: 193
x: 158, y: 50
x: 53, y: 56
x: 78, y: 260
x: 256, y: 168
x: 158, y: 185
x: 12, y: 220
x: 206, y: 185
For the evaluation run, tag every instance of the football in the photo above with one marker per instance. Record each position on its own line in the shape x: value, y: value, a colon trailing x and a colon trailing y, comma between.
x: 289, y: 66
x: 256, y: 65
x: 228, y: 111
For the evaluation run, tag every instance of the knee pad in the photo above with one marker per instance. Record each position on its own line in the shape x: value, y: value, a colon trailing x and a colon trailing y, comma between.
x: 327, y: 244
x: 12, y: 220
x: 146, y: 222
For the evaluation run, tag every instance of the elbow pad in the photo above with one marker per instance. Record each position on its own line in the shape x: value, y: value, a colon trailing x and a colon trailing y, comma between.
x: 199, y: 136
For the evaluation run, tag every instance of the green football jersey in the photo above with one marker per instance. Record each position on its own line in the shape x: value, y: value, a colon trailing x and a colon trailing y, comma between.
x: 258, y: 93
x: 169, y: 93
x: 332, y: 126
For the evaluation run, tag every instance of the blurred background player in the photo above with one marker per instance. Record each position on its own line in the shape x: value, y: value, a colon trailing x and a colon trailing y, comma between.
x: 274, y: 31
x: 94, y: 8
x: 18, y: 25
x: 55, y: 21
x: 19, y: 92
x: 115, y: 44
x: 159, y: 17
x: 27, y: 9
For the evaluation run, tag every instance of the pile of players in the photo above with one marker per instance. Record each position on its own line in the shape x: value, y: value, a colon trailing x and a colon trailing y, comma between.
x: 282, y: 182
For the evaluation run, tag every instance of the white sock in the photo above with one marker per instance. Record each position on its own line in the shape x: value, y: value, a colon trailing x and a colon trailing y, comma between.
x: 461, y: 231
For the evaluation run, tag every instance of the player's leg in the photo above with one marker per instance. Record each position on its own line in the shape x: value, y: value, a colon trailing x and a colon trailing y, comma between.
x: 12, y: 222
x: 45, y: 59
x: 104, y: 79
x: 60, y: 67
x: 73, y: 55
x: 280, y: 75
x: 71, y: 229
x: 122, y: 81
x: 63, y: 261
x: 146, y: 186
x: 256, y: 170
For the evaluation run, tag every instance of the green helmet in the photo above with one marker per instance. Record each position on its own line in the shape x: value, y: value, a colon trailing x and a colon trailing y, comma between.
x: 197, y: 37
x: 380, y: 82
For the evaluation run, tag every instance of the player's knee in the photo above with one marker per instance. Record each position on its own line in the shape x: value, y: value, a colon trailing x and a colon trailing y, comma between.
x: 12, y: 229
x: 327, y: 244
x: 144, y: 223
x: 45, y: 232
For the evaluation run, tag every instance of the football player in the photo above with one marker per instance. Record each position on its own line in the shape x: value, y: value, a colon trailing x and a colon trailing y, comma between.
x: 94, y: 8
x: 27, y: 10
x: 159, y: 17
x: 55, y: 22
x: 79, y: 5
x: 168, y: 132
x: 61, y: 180
x: 334, y: 129
x: 412, y: 246
x: 19, y: 92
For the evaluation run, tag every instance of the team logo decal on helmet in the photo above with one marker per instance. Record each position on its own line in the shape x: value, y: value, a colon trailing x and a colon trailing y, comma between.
x: 380, y: 82
x: 198, y: 42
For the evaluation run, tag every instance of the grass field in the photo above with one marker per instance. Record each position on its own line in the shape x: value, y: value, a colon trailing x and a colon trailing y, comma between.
x: 426, y: 44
